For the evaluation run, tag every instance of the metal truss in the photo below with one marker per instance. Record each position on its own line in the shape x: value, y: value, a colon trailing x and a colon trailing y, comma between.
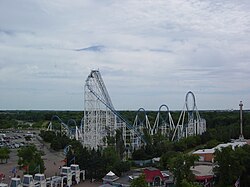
x: 163, y: 123
x: 189, y: 123
x: 100, y: 117
x: 142, y: 125
x: 64, y: 128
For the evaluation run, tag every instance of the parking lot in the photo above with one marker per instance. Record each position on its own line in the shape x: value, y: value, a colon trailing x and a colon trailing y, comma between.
x: 14, y: 140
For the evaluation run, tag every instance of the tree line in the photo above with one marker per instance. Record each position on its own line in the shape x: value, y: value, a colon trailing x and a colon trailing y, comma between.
x: 217, y: 121
x: 233, y: 166
x: 96, y: 162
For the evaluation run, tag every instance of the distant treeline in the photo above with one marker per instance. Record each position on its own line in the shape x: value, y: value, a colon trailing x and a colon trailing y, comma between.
x: 222, y: 125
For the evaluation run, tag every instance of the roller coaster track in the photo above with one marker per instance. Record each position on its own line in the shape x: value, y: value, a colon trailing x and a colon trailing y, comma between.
x: 107, y: 101
x: 64, y: 127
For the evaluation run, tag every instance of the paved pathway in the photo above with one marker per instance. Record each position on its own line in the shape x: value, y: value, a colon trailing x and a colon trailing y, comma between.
x: 52, y: 161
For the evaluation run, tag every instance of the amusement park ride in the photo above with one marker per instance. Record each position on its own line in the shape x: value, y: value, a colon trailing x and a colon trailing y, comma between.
x: 101, y: 120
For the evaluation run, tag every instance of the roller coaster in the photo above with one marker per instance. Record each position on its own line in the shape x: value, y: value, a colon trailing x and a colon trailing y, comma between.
x: 189, y: 123
x: 101, y: 120
x: 64, y: 128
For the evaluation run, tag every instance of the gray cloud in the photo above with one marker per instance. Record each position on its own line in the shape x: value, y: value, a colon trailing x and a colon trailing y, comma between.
x: 148, y: 53
x: 95, y: 48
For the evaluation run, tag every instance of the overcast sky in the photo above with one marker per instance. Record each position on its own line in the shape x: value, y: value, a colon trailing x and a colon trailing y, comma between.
x: 149, y: 52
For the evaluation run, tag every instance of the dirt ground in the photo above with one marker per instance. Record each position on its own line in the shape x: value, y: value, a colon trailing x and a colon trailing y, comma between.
x: 52, y: 160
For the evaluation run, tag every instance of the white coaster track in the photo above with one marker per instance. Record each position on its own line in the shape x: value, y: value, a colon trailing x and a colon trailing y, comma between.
x: 64, y: 128
x: 163, y: 123
x: 100, y: 117
x: 101, y: 120
x: 190, y: 123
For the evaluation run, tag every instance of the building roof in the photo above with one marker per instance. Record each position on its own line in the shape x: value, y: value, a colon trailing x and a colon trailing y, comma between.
x: 168, y: 176
x: 110, y: 173
x: 202, y: 178
x: 127, y: 177
x: 110, y: 177
x: 151, y: 173
x: 233, y: 144
x: 106, y: 185
x: 212, y: 150
x: 204, y: 151
x: 123, y: 181
x: 202, y: 172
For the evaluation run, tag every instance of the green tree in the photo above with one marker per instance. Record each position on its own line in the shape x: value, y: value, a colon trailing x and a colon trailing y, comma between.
x: 47, y: 136
x: 110, y: 158
x: 161, y: 145
x: 31, y: 158
x: 212, y: 143
x: 243, y: 154
x: 181, y: 145
x: 139, y: 154
x: 59, y: 142
x: 180, y: 166
x: 110, y: 140
x: 139, y: 182
x: 121, y: 166
x: 229, y: 166
x: 4, y: 154
x: 96, y: 168
x: 185, y: 183
x: 233, y: 164
x: 120, y: 148
x: 97, y: 163
x: 165, y: 159
x: 83, y: 156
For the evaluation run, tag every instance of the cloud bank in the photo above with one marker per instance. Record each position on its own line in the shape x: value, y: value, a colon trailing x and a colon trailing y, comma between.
x: 149, y: 52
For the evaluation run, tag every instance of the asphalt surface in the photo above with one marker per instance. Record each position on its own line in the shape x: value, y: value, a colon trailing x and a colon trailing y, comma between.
x: 52, y: 159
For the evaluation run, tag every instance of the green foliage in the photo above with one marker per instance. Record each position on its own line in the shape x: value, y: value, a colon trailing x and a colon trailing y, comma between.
x: 28, y: 138
x: 120, y: 147
x: 180, y: 166
x: 140, y: 154
x: 165, y: 159
x: 229, y: 166
x: 121, y: 166
x: 110, y: 140
x: 47, y: 136
x: 212, y: 143
x: 161, y: 146
x: 139, y: 182
x: 97, y: 163
x: 221, y: 127
x: 233, y: 164
x: 9, y: 119
x: 4, y: 154
x: 185, y: 183
x: 110, y: 158
x: 8, y: 123
x: 128, y: 115
x: 96, y: 168
x: 187, y: 143
x: 38, y: 125
x: 59, y: 142
x: 31, y: 158
x: 82, y: 155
